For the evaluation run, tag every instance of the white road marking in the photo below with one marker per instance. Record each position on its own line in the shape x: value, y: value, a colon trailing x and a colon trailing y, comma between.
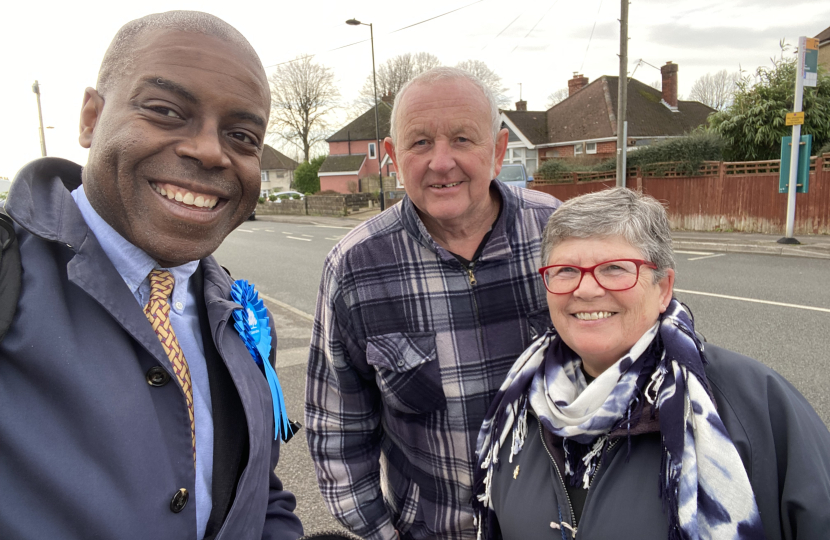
x: 292, y: 309
x: 309, y: 235
x: 335, y: 239
x: 707, y: 256
x: 297, y: 238
x: 693, y: 252
x: 755, y: 300
x: 286, y: 232
x: 333, y: 227
x: 244, y: 230
x: 269, y: 230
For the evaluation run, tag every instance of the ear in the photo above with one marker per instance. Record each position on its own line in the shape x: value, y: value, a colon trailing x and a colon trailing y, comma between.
x: 500, y: 150
x: 389, y: 146
x: 91, y: 111
x: 666, y: 289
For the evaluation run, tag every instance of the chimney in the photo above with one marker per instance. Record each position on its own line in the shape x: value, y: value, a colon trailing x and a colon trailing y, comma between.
x: 389, y: 98
x: 521, y: 105
x: 577, y: 83
x: 669, y: 72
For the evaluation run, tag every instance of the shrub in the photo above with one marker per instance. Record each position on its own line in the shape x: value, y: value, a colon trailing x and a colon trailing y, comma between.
x: 261, y: 200
x: 305, y: 176
x: 272, y: 197
x: 684, y: 154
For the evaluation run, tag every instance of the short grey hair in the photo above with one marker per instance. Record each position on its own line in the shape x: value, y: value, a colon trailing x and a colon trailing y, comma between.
x: 120, y: 56
x: 638, y: 218
x: 443, y: 73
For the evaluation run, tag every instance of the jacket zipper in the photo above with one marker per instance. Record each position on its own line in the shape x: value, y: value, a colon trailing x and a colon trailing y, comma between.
x: 471, y: 275
x: 561, y: 480
x: 599, y: 465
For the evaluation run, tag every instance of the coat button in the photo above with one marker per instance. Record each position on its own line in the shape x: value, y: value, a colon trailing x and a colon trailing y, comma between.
x: 156, y: 376
x: 179, y: 501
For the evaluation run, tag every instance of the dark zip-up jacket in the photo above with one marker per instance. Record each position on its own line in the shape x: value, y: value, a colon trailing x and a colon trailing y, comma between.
x: 784, y: 446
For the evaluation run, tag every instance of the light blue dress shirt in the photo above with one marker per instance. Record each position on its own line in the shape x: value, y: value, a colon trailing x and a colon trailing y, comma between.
x: 134, y: 266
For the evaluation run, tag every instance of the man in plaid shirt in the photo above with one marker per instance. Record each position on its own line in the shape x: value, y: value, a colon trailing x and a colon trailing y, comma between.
x: 421, y: 312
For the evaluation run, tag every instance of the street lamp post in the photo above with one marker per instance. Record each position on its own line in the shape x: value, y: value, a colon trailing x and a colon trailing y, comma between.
x: 36, y: 90
x: 355, y: 22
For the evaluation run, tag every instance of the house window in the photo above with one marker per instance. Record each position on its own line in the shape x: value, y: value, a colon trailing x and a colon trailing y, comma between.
x: 578, y: 148
x: 372, y: 154
x: 591, y: 148
x: 397, y: 181
x: 263, y: 175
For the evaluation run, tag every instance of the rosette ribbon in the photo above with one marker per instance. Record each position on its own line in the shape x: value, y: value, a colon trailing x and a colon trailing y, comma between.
x: 252, y: 324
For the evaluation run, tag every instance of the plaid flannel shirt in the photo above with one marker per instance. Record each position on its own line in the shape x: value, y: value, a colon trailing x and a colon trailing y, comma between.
x: 408, y: 349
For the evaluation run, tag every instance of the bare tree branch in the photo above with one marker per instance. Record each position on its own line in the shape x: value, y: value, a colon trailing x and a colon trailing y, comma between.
x: 489, y: 78
x: 557, y: 97
x: 303, y: 94
x: 392, y: 75
x: 715, y: 90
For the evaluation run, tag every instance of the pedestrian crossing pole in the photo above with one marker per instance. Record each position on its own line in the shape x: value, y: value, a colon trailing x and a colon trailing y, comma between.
x: 796, y: 137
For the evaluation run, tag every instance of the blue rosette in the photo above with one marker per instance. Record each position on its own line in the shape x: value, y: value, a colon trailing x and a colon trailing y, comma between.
x: 252, y: 324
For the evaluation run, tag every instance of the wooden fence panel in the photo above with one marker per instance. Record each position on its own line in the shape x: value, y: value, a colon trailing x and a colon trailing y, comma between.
x: 727, y: 197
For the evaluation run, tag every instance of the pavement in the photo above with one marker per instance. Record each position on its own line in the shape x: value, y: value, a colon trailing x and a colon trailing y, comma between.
x: 813, y: 246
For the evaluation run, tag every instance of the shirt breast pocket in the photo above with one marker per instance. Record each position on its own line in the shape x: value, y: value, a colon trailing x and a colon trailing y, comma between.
x: 407, y: 371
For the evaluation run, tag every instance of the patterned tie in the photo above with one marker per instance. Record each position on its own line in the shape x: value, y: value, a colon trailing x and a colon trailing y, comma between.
x: 158, y: 313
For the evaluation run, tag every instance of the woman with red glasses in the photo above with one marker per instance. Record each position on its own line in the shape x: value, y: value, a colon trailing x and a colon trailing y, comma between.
x: 620, y: 423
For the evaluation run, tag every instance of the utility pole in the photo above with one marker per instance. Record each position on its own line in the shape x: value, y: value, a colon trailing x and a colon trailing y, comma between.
x: 36, y: 90
x: 622, y: 96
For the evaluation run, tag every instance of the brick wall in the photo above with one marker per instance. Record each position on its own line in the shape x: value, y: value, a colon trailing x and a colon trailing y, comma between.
x: 370, y: 184
x: 289, y: 206
x: 326, y: 205
x: 608, y: 147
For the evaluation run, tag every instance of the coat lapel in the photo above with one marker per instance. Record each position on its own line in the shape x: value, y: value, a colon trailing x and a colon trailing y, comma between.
x: 230, y: 442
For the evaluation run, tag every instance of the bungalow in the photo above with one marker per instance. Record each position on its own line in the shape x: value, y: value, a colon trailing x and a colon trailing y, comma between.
x: 276, y: 170
x: 352, y: 163
x: 584, y: 124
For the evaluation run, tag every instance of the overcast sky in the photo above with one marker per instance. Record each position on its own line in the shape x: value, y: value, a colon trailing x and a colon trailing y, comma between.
x: 538, y: 43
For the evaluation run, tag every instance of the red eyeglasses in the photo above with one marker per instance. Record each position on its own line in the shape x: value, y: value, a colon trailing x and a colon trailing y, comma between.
x: 616, y: 275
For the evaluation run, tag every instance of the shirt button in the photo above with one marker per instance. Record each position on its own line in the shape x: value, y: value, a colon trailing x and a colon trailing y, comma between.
x: 179, y: 306
x: 400, y: 363
x: 157, y: 376
x: 179, y: 501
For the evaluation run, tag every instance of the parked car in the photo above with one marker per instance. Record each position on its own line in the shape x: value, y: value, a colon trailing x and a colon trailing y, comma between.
x: 288, y: 195
x: 514, y: 174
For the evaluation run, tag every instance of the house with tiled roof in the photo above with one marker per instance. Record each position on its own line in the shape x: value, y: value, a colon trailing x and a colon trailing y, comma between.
x: 276, y: 170
x: 823, y: 38
x: 527, y: 131
x: 353, y: 157
x: 585, y: 123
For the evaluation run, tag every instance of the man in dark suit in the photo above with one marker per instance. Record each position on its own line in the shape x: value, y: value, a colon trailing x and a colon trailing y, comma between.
x: 130, y: 406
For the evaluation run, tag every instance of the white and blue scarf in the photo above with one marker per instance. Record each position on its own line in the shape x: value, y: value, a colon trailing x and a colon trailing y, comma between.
x: 704, y: 485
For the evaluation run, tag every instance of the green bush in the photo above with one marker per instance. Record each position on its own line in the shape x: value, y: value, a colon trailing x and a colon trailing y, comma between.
x: 824, y: 150
x: 551, y: 167
x: 305, y: 176
x: 261, y: 200
x: 272, y: 197
x: 755, y: 122
x: 684, y: 154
